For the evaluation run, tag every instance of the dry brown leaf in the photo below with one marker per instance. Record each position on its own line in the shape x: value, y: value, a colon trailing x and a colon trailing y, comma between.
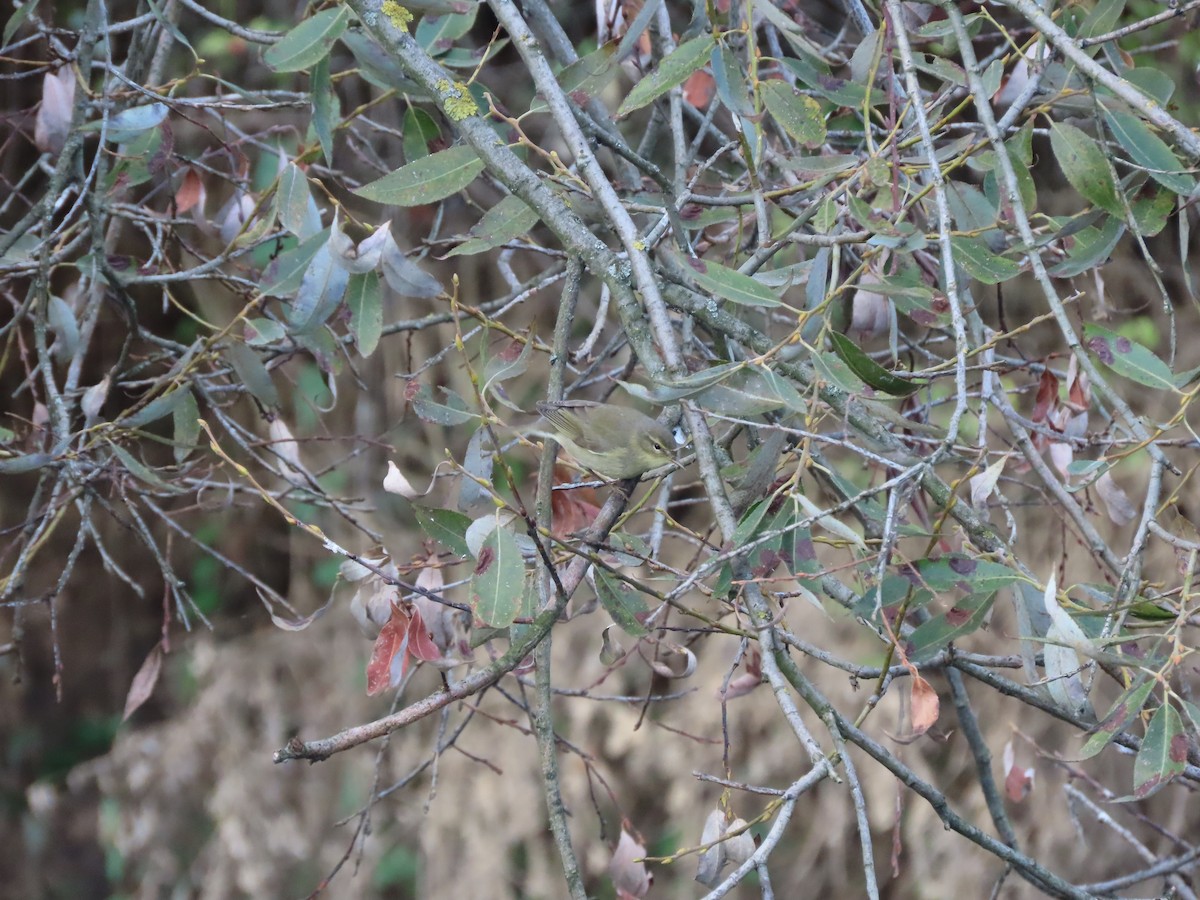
x: 923, y: 705
x: 191, y: 194
x: 144, y: 681
x: 1047, y: 396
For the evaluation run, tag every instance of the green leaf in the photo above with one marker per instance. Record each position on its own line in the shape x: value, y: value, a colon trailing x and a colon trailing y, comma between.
x: 1123, y: 710
x: 507, y: 220
x: 186, y: 419
x: 1149, y: 151
x: 1092, y: 247
x: 1128, y: 358
x: 498, y: 582
x: 1085, y: 165
x: 18, y: 18
x: 1101, y: 19
x: 981, y: 263
x: 672, y: 71
x: 253, y: 374
x: 139, y: 469
x: 309, y: 42
x: 799, y: 115
x: 325, y: 108
x: 427, y: 180
x: 730, y: 284
x: 259, y: 332
x: 285, y: 273
x: 842, y: 91
x: 586, y: 78
x: 730, y: 82
x: 1153, y: 82
x: 364, y: 297
x: 297, y: 211
x: 832, y: 370
x: 436, y: 34
x: 451, y: 412
x: 622, y: 602
x: 751, y: 391
x: 960, y: 620
x: 965, y: 573
x: 419, y: 129
x: 130, y: 123
x: 447, y: 527
x: 156, y: 409
x: 871, y: 372
x: 321, y: 290
x: 1151, y: 208
x: 1163, y: 755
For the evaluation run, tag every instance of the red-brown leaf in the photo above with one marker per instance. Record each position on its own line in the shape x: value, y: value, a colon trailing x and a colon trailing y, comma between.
x: 191, y: 194
x: 420, y: 642
x: 1047, y: 396
x: 391, y: 641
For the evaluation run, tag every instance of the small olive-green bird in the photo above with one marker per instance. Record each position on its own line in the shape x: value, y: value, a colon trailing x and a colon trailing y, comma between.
x: 610, y: 440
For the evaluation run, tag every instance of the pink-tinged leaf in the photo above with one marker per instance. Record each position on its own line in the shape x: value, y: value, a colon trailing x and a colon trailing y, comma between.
x: 389, y: 647
x: 751, y: 678
x: 630, y: 878
x: 742, y: 685
x: 1018, y: 782
x: 924, y: 705
x: 1163, y: 754
x: 53, y: 121
x: 144, y: 681
x: 1062, y: 455
x: 420, y: 641
x: 1120, y: 508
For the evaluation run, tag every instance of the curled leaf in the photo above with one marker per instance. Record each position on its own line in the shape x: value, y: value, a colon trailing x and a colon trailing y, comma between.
x: 680, y: 662
x: 395, y: 482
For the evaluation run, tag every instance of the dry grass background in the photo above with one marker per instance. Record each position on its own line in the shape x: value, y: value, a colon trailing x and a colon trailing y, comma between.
x: 188, y: 803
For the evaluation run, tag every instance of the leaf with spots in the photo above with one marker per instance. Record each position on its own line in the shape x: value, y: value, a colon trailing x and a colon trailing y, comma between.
x: 1128, y: 358
x: 1163, y: 755
x: 498, y: 580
